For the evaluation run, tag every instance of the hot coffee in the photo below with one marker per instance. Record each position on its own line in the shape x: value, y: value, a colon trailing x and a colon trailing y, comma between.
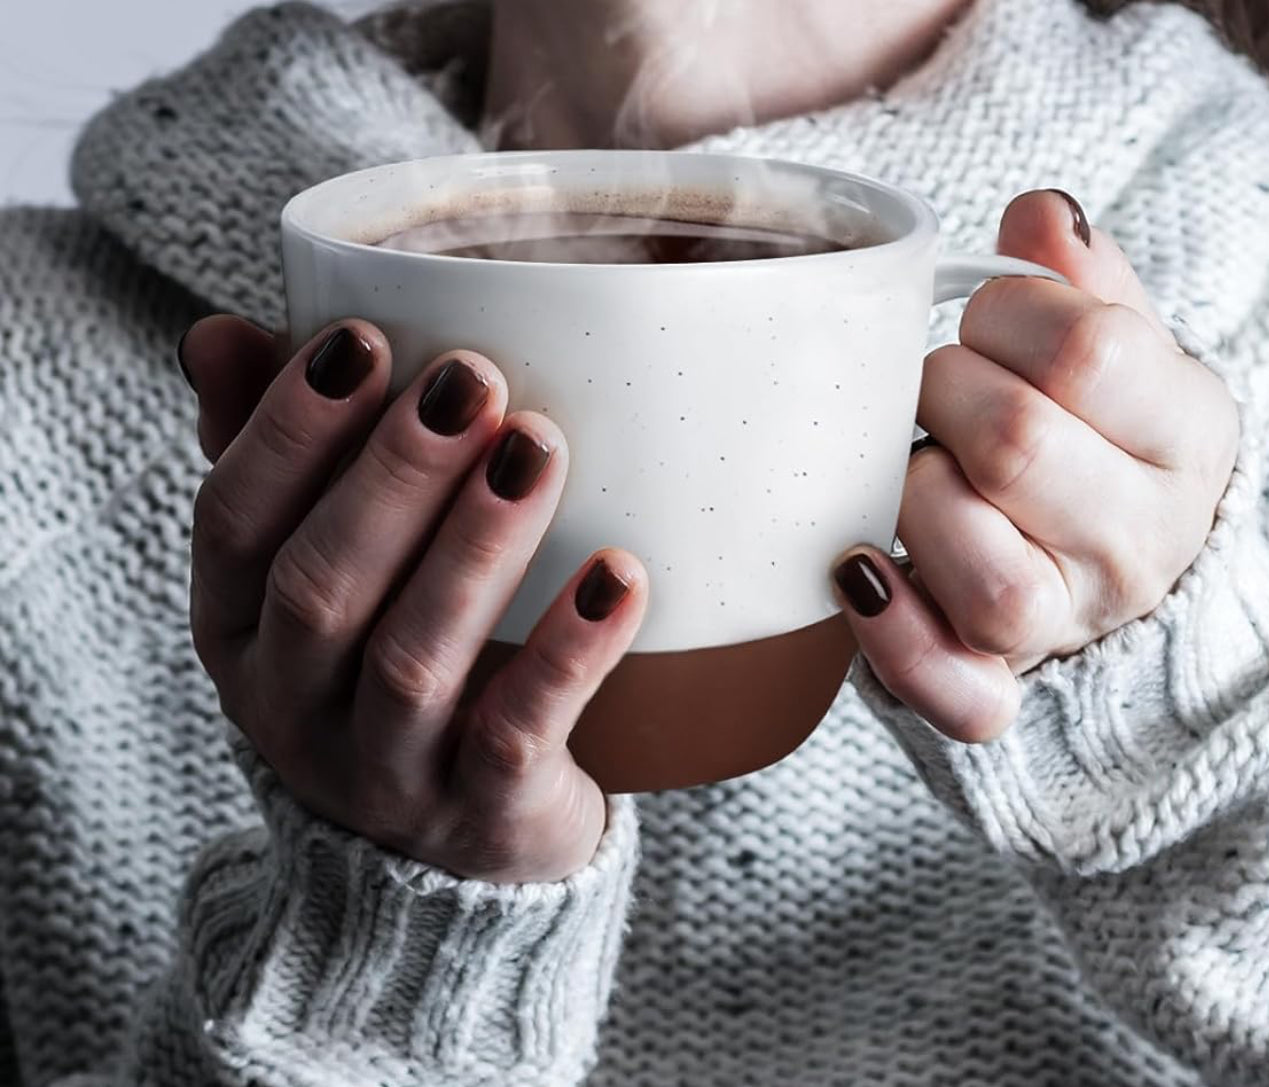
x: 580, y: 238
x: 732, y: 421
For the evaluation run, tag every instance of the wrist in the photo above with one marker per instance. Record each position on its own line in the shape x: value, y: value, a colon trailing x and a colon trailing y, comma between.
x: 1109, y: 736
x: 299, y: 932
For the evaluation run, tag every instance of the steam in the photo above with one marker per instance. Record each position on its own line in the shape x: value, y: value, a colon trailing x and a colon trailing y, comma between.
x: 674, y: 43
x: 619, y: 208
x: 518, y: 117
x: 642, y: 60
x: 667, y: 70
x: 554, y: 237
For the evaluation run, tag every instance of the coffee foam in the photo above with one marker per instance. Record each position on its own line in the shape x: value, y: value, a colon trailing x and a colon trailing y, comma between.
x: 845, y: 225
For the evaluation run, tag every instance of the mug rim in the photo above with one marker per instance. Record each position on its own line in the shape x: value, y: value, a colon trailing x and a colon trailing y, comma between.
x: 925, y: 220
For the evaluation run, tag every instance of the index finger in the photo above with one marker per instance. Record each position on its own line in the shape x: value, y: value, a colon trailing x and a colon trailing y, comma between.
x: 229, y: 362
x: 275, y: 469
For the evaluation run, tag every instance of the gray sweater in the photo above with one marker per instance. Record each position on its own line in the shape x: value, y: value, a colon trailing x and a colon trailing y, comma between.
x: 1083, y: 902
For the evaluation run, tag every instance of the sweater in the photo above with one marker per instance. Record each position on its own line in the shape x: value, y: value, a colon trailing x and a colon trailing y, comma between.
x: 1083, y: 902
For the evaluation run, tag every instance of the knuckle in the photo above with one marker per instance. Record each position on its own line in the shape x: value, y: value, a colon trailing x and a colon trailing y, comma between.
x: 409, y: 678
x: 1013, y: 442
x: 479, y: 547
x: 1088, y: 353
x: 219, y: 528
x: 306, y: 590
x: 397, y: 466
x: 556, y: 668
x: 506, y: 747
x: 1133, y: 580
x: 1001, y: 619
x: 283, y: 435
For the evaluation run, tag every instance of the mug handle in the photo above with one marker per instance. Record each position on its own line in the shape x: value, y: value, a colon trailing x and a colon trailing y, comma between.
x: 958, y: 275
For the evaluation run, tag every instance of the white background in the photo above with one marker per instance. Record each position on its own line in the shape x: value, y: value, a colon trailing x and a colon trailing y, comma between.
x: 61, y: 60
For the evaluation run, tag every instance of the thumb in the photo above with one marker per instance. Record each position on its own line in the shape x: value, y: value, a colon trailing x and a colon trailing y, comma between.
x: 1050, y: 227
x: 917, y: 656
x: 229, y: 362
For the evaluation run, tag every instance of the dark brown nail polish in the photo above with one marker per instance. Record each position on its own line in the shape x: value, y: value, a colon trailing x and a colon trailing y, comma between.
x: 341, y: 364
x: 599, y: 593
x: 863, y: 585
x: 453, y: 399
x: 180, y: 359
x: 1082, y: 229
x: 517, y: 465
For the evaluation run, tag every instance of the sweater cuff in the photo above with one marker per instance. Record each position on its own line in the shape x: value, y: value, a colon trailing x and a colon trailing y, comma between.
x: 320, y: 942
x: 1153, y: 717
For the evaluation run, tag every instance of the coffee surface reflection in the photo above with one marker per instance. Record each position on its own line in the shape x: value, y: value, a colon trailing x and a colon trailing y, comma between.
x: 573, y: 238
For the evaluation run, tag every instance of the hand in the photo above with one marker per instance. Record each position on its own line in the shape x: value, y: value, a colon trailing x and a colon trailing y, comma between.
x: 1079, y: 461
x: 230, y: 364
x: 339, y: 612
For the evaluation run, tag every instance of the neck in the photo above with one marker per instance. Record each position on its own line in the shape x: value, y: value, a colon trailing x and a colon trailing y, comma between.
x: 661, y: 73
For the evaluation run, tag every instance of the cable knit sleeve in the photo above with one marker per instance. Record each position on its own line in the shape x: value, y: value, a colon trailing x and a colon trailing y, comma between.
x: 307, y: 956
x: 8, y: 1051
x: 210, y: 933
x: 1134, y: 789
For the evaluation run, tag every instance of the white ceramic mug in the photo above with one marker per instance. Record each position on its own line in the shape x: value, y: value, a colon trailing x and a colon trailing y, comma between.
x: 736, y: 425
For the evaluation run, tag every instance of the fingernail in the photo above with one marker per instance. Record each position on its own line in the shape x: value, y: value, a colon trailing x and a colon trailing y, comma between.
x: 516, y: 466
x: 863, y: 585
x: 453, y: 399
x: 342, y: 363
x: 180, y: 359
x: 599, y: 593
x: 1082, y: 229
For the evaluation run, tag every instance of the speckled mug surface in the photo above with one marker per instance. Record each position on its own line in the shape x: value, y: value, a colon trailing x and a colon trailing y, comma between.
x: 737, y: 425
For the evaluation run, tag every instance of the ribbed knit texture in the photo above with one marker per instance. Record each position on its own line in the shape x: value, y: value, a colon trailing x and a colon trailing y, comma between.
x: 1085, y: 902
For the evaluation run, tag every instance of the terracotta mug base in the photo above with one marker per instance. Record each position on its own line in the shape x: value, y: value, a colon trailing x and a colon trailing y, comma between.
x: 673, y: 720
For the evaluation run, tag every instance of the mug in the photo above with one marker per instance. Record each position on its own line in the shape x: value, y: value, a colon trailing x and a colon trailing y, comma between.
x: 737, y: 424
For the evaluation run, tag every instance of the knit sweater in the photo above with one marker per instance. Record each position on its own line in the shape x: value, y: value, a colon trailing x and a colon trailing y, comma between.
x: 1085, y: 901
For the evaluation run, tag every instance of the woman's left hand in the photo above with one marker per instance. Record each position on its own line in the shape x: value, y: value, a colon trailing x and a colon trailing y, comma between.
x: 1078, y: 461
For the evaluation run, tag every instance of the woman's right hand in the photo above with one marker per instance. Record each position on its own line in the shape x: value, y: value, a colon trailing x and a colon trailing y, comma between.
x: 339, y: 611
